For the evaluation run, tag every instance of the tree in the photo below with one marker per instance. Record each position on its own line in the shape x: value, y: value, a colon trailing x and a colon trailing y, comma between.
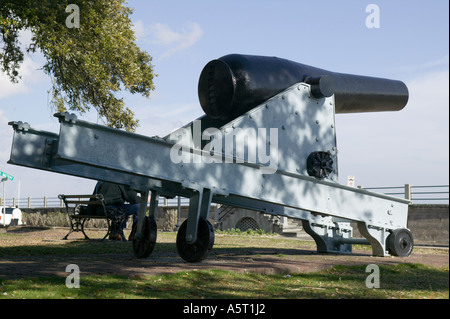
x: 90, y: 52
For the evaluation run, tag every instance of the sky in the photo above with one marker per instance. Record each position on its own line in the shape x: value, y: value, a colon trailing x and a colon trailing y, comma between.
x: 402, y: 40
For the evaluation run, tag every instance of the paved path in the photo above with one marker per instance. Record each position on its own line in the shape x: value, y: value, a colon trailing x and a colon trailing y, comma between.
x: 262, y: 260
x: 159, y: 263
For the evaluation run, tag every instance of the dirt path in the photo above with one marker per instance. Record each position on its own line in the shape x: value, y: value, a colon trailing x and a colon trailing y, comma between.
x: 260, y: 260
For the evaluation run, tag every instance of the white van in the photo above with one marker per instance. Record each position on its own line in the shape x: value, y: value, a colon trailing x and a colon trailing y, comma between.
x: 13, y: 217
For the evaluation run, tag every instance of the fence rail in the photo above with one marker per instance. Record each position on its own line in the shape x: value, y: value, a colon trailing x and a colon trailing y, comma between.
x: 421, y: 194
x: 416, y: 193
x: 55, y: 202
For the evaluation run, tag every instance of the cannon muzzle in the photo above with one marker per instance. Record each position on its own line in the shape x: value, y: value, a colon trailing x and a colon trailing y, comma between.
x: 234, y: 84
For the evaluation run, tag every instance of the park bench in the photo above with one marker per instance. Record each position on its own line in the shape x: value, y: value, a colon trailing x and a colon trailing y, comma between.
x: 82, y: 208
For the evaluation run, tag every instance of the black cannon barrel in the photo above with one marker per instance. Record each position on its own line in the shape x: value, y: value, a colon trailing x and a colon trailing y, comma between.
x: 234, y: 84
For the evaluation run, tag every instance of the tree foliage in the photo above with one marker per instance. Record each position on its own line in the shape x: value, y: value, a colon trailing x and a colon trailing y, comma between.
x: 89, y: 64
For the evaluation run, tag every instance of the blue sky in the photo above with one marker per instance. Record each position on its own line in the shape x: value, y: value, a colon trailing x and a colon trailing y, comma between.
x: 379, y: 149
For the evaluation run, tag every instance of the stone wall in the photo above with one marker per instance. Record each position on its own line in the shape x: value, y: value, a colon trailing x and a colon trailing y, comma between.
x: 428, y: 223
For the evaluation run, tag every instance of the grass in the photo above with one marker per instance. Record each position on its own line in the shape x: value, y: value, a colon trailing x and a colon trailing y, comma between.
x: 406, y: 281
x: 397, y: 280
x: 250, y: 232
x: 19, y: 245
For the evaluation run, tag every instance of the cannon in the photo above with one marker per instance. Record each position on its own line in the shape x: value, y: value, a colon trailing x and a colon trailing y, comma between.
x: 235, y: 83
x: 267, y: 142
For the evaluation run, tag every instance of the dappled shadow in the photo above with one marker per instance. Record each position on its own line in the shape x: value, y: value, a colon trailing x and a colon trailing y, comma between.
x: 279, y: 251
x: 97, y: 257
x: 116, y: 258
x: 338, y: 282
x: 25, y: 229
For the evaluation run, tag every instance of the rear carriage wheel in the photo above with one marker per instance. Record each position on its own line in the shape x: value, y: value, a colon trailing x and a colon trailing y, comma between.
x: 400, y: 243
x: 199, y: 250
x: 143, y: 246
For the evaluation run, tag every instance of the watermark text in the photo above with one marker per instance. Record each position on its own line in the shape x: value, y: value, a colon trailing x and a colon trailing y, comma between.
x: 373, y: 279
x: 73, y: 279
x: 73, y: 19
x: 236, y: 145
x: 373, y: 19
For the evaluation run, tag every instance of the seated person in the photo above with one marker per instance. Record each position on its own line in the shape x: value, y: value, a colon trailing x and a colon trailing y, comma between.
x: 118, y: 198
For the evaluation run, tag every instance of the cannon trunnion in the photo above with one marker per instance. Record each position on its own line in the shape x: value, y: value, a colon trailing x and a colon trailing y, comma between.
x: 267, y: 142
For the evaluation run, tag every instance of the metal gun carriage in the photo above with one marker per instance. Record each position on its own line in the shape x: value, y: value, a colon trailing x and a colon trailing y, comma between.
x: 267, y: 142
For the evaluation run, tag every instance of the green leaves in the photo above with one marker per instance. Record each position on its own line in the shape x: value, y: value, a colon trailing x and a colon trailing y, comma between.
x: 89, y: 65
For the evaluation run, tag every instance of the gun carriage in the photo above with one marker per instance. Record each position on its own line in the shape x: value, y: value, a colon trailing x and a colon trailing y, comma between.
x: 267, y: 142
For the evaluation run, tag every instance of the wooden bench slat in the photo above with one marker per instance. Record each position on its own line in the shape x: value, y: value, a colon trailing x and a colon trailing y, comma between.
x: 80, y: 196
x: 96, y: 202
x: 89, y: 216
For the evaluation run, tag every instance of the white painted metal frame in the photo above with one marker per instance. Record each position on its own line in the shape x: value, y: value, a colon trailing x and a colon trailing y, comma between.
x: 303, y: 125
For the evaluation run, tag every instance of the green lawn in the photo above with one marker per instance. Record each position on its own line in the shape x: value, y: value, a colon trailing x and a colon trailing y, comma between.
x: 403, y: 280
x: 340, y: 282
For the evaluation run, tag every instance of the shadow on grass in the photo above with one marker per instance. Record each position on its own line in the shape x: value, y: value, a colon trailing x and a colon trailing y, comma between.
x: 397, y: 281
x: 97, y: 246
x: 79, y: 247
x: 17, y: 230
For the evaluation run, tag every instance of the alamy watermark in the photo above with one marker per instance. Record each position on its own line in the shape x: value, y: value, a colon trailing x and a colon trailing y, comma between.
x: 73, y: 279
x: 373, y: 19
x: 73, y: 19
x: 236, y: 145
x: 373, y: 279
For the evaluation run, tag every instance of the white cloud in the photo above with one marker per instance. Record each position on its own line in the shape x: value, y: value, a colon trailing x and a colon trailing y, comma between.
x: 29, y: 75
x: 161, y: 119
x: 139, y: 29
x: 7, y: 88
x: 425, y: 66
x: 174, y: 40
x: 29, y: 71
x: 395, y: 148
x: 25, y: 37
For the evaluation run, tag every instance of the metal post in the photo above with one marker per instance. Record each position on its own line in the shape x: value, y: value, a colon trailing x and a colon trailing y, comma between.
x: 178, y: 214
x: 3, y: 201
x: 153, y: 210
x: 408, y: 192
x: 142, y: 212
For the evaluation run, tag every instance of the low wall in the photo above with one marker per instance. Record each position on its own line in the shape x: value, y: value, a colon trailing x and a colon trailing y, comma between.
x: 44, y: 210
x: 429, y: 223
x: 167, y: 216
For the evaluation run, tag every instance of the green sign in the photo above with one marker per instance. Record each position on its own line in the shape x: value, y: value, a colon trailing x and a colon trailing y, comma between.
x: 6, y: 175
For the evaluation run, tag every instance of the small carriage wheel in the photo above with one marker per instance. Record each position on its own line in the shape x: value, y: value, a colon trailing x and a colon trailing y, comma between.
x: 400, y: 242
x: 200, y: 249
x: 143, y: 247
